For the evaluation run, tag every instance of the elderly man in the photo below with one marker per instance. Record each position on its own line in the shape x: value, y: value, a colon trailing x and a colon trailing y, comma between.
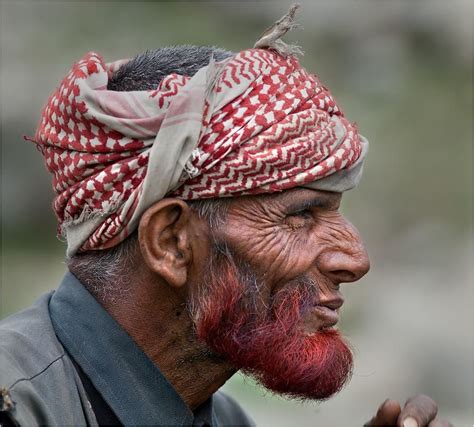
x: 198, y: 191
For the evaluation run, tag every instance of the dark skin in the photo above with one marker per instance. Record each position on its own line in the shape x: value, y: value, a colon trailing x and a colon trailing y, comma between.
x: 282, y: 236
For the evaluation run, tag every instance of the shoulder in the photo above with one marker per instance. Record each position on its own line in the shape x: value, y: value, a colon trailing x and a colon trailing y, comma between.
x: 27, y: 342
x: 229, y: 412
x: 36, y: 374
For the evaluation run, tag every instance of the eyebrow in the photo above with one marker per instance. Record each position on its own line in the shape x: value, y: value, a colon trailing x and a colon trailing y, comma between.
x: 319, y: 201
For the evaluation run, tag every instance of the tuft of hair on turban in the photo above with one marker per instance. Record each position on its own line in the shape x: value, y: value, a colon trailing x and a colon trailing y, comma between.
x: 254, y: 123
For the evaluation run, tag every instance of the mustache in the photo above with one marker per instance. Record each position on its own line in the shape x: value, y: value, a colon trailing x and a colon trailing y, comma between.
x: 300, y: 285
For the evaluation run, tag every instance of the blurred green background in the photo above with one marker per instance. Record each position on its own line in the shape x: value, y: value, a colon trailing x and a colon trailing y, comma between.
x: 401, y: 69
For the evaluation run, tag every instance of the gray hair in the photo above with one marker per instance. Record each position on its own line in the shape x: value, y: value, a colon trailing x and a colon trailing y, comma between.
x: 106, y: 273
x: 145, y: 71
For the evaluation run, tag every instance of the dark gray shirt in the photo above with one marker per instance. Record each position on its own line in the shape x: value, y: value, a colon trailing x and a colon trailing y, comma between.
x: 38, y: 377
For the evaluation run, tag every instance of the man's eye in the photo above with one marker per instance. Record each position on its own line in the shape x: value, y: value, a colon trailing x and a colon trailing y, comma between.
x: 299, y: 219
x: 305, y: 213
x: 302, y: 216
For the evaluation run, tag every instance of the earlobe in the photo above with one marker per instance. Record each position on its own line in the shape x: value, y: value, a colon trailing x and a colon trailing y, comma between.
x: 164, y: 240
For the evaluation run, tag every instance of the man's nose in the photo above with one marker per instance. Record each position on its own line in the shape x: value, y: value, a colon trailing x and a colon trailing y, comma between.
x: 346, y: 261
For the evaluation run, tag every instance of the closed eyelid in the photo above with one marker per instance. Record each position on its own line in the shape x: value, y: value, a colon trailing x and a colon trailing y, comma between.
x: 312, y: 204
x: 302, y: 212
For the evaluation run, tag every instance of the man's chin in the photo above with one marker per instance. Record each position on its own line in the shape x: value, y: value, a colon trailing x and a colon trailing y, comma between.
x: 315, y: 368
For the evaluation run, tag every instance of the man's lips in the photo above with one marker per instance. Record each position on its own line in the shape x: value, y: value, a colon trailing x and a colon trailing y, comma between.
x: 333, y: 304
x: 323, y: 315
x: 326, y: 317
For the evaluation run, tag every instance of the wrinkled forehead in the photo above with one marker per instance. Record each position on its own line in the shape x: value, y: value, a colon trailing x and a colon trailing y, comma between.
x: 292, y: 200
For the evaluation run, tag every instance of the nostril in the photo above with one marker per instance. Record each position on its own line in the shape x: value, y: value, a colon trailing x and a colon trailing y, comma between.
x: 344, y: 275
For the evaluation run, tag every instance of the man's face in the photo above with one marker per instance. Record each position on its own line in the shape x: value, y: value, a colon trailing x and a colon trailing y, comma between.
x: 270, y: 297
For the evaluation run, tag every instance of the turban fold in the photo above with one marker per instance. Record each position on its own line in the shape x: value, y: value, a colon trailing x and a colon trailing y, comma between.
x: 254, y: 123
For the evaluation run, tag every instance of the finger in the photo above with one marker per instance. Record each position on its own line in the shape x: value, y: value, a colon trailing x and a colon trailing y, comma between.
x: 387, y: 414
x: 439, y: 423
x: 418, y: 411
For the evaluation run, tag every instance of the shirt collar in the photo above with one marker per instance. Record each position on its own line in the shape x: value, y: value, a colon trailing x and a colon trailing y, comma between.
x: 127, y: 379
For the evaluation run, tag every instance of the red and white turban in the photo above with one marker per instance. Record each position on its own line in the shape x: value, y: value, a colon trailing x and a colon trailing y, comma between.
x: 254, y: 123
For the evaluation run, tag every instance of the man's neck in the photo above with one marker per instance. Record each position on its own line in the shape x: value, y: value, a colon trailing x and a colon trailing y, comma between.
x: 158, y: 321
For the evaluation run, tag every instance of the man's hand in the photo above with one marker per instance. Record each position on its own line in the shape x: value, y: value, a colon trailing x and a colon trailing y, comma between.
x: 419, y: 411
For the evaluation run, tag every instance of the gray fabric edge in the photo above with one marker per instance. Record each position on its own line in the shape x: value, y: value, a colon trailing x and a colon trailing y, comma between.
x: 345, y: 179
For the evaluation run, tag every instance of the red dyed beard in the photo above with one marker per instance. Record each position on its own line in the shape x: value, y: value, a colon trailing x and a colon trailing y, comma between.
x: 267, y: 342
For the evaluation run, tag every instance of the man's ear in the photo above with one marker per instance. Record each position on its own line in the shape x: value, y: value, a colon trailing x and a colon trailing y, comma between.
x: 163, y: 234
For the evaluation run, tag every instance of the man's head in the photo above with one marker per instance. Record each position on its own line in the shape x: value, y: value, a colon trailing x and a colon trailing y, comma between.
x: 259, y: 274
x: 262, y: 286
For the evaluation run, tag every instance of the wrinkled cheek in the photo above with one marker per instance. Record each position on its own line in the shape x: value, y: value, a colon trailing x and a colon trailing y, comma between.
x: 275, y: 254
x: 267, y: 252
x: 294, y: 259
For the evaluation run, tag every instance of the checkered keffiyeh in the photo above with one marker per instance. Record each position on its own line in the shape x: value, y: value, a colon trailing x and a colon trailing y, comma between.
x: 255, y: 123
